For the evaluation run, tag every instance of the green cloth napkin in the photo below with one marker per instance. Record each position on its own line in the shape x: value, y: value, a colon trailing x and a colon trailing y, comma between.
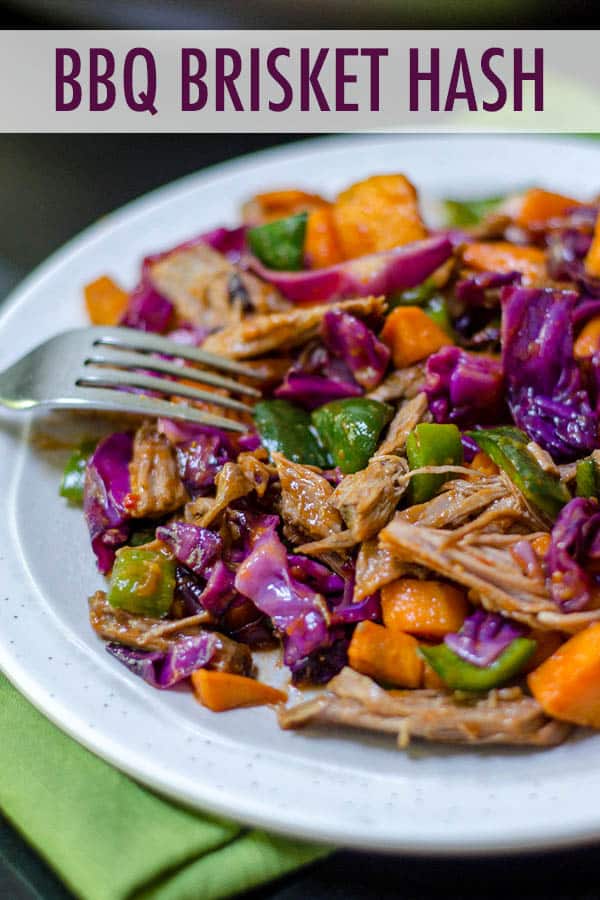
x: 107, y: 837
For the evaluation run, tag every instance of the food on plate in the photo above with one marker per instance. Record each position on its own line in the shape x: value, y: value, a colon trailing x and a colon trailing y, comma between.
x: 411, y: 519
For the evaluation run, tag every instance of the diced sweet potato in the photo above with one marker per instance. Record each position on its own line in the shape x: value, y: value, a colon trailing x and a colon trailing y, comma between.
x: 377, y: 214
x: 588, y: 340
x: 105, y: 301
x: 385, y: 655
x: 223, y: 690
x: 423, y: 608
x: 538, y: 207
x: 592, y: 260
x: 502, y: 256
x: 280, y: 204
x: 411, y: 335
x: 481, y: 462
x: 321, y: 247
x: 567, y: 684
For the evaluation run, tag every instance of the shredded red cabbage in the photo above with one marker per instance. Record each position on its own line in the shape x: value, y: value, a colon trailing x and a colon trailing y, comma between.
x: 379, y: 273
x: 353, y: 342
x: 473, y: 290
x: 316, y: 378
x: 545, y: 390
x: 191, y: 545
x: 163, y: 670
x: 105, y: 493
x: 574, y: 546
x: 483, y: 637
x: 464, y: 388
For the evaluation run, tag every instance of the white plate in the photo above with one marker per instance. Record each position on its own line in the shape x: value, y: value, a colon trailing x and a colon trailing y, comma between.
x: 347, y: 788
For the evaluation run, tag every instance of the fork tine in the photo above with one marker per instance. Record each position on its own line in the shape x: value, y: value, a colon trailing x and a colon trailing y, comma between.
x: 132, y: 339
x: 125, y: 360
x: 108, y: 400
x: 115, y: 378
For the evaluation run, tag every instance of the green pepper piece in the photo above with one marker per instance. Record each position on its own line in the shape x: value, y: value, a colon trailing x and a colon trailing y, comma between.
x: 285, y: 428
x: 280, y: 244
x: 142, y: 582
x: 73, y: 480
x: 432, y: 445
x: 350, y: 430
x: 586, y: 478
x: 141, y: 536
x: 463, y: 213
x: 507, y: 447
x: 416, y: 296
x: 460, y: 675
x: 437, y: 310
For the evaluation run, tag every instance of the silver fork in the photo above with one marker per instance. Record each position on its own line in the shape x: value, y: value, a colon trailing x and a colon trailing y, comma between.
x: 87, y: 368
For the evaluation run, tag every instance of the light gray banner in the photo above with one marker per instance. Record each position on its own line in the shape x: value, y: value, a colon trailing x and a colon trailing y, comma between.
x: 288, y: 81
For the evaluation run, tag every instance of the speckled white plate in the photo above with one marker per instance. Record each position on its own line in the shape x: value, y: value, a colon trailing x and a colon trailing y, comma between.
x: 343, y: 788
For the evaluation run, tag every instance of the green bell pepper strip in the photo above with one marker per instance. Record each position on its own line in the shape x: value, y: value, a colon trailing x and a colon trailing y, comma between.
x: 286, y: 428
x: 73, y: 479
x: 463, y: 213
x: 416, y: 296
x: 437, y: 310
x: 460, y: 675
x: 432, y: 445
x: 507, y: 447
x: 280, y: 244
x: 142, y: 582
x: 350, y: 430
x: 586, y: 478
x: 141, y: 536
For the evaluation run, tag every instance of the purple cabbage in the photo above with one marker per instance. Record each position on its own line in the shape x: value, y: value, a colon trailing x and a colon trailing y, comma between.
x: 105, y: 494
x: 148, y: 310
x: 188, y: 335
x: 379, y: 273
x: 231, y: 242
x: 483, y: 637
x: 316, y: 378
x: 567, y: 250
x: 247, y: 443
x: 546, y: 394
x: 464, y: 388
x: 201, y: 451
x: 350, y: 340
x: 297, y: 611
x: 574, y: 545
x: 219, y: 589
x: 315, y: 575
x: 473, y: 290
x: 325, y: 662
x: 585, y: 309
x: 191, y: 545
x: 164, y: 669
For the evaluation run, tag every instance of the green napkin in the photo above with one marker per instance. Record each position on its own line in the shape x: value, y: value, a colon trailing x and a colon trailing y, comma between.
x: 107, y: 837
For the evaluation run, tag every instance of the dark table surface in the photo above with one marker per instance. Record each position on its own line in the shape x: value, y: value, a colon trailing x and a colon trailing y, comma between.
x: 51, y: 187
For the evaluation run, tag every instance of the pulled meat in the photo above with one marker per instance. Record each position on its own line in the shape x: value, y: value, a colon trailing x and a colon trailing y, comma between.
x: 403, y: 384
x: 208, y: 290
x: 306, y: 500
x: 484, y: 564
x: 156, y: 487
x: 375, y: 567
x: 147, y: 633
x: 410, y: 413
x: 257, y: 335
x: 501, y: 717
x: 368, y: 499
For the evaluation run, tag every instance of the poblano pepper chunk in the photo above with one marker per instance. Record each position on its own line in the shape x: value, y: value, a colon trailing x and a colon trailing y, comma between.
x: 507, y: 447
x: 432, y: 445
x: 142, y: 582
x: 586, y: 478
x: 437, y: 310
x: 350, y: 430
x: 73, y: 480
x: 280, y: 244
x: 286, y: 428
x: 460, y: 675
